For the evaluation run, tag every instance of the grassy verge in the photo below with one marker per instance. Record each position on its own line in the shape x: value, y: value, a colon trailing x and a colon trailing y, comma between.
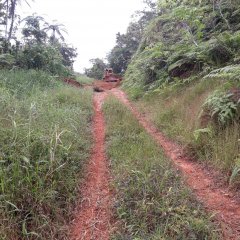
x: 23, y: 83
x: 84, y: 79
x: 151, y: 199
x: 176, y: 110
x: 45, y: 139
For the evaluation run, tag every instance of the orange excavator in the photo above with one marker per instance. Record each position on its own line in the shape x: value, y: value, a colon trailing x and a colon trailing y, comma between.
x: 110, y: 80
x: 109, y: 76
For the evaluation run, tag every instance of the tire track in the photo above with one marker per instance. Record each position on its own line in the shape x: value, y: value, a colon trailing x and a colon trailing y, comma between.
x: 92, y: 217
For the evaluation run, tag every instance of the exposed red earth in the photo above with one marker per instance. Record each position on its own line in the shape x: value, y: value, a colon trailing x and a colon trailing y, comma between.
x: 92, y: 217
x: 217, y: 200
x: 101, y: 86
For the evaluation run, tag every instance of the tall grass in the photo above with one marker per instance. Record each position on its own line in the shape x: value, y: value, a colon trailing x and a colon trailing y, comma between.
x: 176, y: 111
x: 221, y: 148
x: 84, y: 79
x: 45, y: 139
x: 151, y: 199
x: 23, y: 83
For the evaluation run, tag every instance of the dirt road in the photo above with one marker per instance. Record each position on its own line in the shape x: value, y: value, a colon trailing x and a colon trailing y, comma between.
x: 94, y: 215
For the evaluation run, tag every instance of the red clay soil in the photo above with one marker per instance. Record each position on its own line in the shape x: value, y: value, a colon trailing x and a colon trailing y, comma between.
x: 92, y: 218
x: 218, y: 200
x: 101, y: 86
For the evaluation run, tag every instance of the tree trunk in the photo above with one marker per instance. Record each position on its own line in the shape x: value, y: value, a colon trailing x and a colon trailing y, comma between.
x: 7, y: 13
x: 13, y: 8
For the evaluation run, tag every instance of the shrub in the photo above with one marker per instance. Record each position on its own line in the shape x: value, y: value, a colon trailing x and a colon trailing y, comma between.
x: 230, y: 72
x: 42, y: 57
x: 221, y: 107
x: 219, y: 54
x: 6, y: 61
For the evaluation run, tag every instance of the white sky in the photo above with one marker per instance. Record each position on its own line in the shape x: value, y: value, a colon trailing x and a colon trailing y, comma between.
x: 91, y: 24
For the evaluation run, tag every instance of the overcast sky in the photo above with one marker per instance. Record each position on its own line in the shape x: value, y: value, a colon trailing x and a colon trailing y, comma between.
x: 91, y: 24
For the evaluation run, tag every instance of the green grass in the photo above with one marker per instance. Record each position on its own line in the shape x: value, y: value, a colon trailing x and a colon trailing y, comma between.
x: 151, y: 199
x: 45, y: 138
x: 84, y: 79
x: 23, y: 83
x: 221, y: 148
x: 176, y: 110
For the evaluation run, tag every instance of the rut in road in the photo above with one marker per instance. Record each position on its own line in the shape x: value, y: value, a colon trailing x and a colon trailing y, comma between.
x: 219, y: 201
x: 92, y: 218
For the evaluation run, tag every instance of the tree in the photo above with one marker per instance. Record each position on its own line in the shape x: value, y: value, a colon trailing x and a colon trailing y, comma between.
x: 68, y: 53
x: 190, y: 19
x: 127, y: 44
x: 151, y: 4
x: 57, y: 31
x: 10, y: 7
x: 35, y: 49
x: 12, y: 10
x: 32, y: 30
x: 97, y: 69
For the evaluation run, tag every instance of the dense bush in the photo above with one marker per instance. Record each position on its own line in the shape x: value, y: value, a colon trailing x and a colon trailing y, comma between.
x: 186, y: 39
x: 42, y: 57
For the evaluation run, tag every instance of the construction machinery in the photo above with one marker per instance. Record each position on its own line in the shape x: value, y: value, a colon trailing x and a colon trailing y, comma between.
x: 110, y: 80
x: 109, y: 76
